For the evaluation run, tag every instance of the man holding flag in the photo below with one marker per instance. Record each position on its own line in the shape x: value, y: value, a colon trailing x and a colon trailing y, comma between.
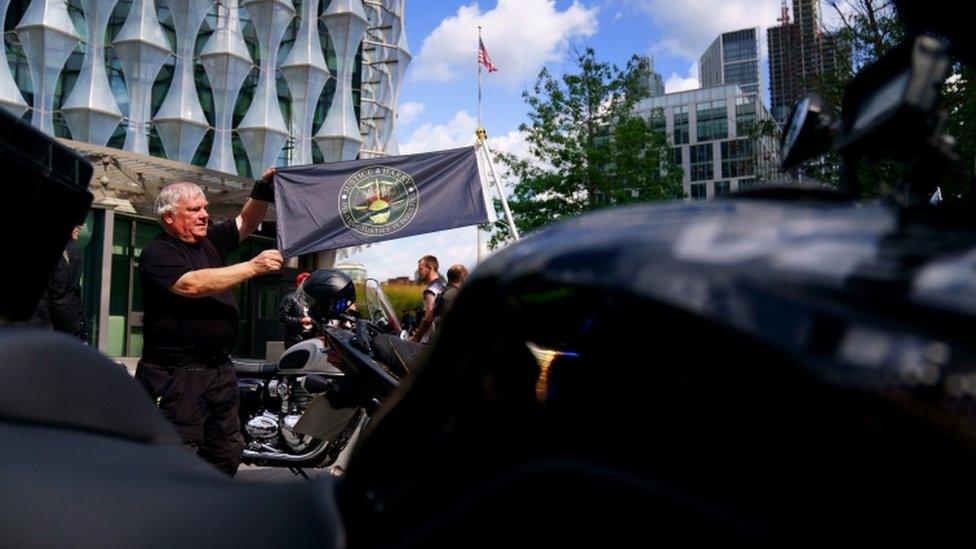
x: 356, y: 202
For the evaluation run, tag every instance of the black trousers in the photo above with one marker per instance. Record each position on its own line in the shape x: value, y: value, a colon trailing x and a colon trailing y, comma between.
x: 201, y: 401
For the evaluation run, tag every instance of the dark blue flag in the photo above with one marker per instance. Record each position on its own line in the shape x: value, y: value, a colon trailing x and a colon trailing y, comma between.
x: 326, y: 206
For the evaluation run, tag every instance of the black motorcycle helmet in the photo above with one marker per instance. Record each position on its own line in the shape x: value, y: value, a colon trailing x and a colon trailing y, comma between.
x: 328, y: 293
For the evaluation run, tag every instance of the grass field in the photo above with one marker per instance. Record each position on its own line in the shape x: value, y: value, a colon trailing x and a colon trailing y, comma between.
x: 403, y: 297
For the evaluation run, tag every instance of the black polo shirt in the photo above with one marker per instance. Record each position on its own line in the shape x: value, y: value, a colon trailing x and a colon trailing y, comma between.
x: 171, y: 322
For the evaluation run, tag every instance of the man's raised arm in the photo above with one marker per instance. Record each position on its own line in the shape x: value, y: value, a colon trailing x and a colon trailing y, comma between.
x: 257, y: 206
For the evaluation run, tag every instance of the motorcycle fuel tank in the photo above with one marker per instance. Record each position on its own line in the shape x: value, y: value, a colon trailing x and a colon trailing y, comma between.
x: 305, y: 358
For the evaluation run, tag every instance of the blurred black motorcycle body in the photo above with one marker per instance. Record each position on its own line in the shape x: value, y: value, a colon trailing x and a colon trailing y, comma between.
x: 788, y: 366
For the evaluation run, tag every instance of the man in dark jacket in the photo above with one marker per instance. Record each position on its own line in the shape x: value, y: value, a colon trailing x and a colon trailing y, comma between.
x: 60, y: 304
x: 445, y: 300
x: 293, y: 313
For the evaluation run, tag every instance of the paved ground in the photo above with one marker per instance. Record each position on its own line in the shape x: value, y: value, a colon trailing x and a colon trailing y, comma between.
x: 248, y: 473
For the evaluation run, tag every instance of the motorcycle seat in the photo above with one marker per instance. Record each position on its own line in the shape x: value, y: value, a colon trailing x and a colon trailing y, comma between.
x: 53, y: 380
x: 88, y: 461
x: 254, y: 366
x: 68, y: 488
x: 400, y: 355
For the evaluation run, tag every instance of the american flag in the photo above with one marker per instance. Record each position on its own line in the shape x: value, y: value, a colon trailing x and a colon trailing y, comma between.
x: 483, y: 57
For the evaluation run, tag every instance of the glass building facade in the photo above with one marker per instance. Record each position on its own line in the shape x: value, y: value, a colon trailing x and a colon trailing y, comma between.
x: 732, y: 58
x: 712, y: 131
x: 235, y: 87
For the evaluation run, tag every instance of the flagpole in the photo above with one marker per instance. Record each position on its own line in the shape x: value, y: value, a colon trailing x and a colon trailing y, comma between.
x: 479, y: 76
x: 478, y: 62
x: 477, y: 229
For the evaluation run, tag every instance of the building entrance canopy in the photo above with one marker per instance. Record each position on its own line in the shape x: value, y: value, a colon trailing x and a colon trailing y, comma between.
x: 129, y: 181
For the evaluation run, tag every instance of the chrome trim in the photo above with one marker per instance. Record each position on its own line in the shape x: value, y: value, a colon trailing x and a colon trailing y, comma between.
x: 338, y: 466
x: 290, y: 458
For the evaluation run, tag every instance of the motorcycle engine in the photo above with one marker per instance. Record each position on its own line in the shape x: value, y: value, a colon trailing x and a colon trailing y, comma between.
x: 263, y: 428
x: 275, y: 426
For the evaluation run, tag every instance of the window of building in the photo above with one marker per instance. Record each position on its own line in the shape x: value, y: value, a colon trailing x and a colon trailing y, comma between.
x: 738, y: 158
x: 739, y: 45
x: 722, y: 188
x: 700, y: 157
x: 699, y: 191
x: 678, y: 157
x: 745, y: 184
x: 712, y: 121
x: 268, y: 302
x: 741, y: 73
x: 659, y: 123
x: 745, y: 114
x: 681, y: 127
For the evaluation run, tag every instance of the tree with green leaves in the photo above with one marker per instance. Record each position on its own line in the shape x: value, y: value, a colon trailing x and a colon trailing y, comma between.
x: 587, y: 147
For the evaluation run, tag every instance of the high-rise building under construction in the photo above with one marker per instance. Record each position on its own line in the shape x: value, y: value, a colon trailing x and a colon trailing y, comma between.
x: 799, y: 52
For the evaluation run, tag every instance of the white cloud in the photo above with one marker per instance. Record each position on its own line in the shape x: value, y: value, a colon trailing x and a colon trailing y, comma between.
x: 458, y: 132
x: 690, y: 26
x: 512, y: 142
x: 676, y: 82
x: 408, y: 112
x: 520, y: 36
x: 399, y: 257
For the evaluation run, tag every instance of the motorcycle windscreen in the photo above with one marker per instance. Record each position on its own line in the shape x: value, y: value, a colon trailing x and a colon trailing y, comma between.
x: 323, y: 421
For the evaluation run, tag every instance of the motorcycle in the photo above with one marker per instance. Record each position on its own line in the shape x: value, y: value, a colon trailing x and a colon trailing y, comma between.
x: 305, y: 410
x: 782, y: 367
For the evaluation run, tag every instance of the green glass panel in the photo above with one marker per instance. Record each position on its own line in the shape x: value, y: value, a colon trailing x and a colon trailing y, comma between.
x: 267, y: 304
x: 135, y: 341
x: 116, y: 335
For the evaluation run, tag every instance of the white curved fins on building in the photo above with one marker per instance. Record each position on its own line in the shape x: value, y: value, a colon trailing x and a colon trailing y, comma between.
x: 10, y: 97
x: 90, y: 110
x: 48, y: 37
x: 115, y: 81
x: 180, y: 120
x: 263, y: 129
x: 339, y: 137
x: 306, y: 73
x: 142, y: 50
x: 227, y: 62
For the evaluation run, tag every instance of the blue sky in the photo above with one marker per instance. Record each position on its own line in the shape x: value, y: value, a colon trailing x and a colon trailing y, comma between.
x: 438, y: 98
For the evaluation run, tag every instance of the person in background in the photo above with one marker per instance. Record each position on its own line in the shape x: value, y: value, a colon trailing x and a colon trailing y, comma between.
x: 456, y: 276
x: 427, y: 269
x: 60, y: 304
x: 293, y: 313
x: 407, y: 321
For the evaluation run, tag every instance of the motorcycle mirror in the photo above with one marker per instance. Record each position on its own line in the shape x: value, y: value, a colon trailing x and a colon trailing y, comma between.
x: 807, y: 133
x: 889, y: 108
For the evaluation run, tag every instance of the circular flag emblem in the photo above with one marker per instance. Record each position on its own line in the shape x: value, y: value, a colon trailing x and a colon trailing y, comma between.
x: 378, y: 200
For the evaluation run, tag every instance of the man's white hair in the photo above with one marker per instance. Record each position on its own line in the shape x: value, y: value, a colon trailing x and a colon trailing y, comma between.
x: 172, y: 194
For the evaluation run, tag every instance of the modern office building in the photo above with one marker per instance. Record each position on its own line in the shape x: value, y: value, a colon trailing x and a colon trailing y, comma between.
x: 712, y: 131
x: 356, y: 270
x: 732, y: 58
x: 156, y: 91
x: 653, y: 82
x: 799, y: 52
